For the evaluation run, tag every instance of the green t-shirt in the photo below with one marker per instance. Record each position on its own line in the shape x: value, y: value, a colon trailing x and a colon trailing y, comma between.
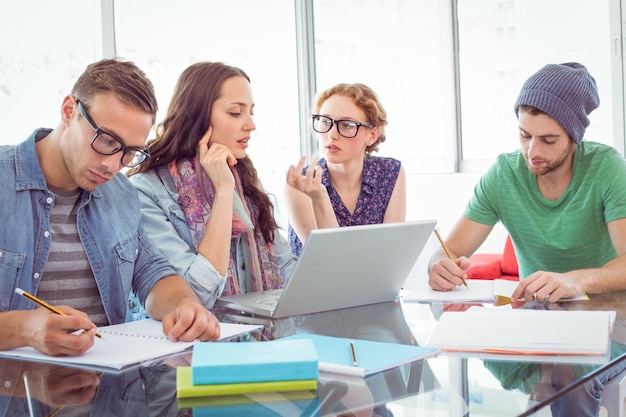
x: 558, y: 236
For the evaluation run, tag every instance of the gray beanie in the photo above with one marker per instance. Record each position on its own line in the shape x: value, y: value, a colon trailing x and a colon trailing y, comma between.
x: 565, y: 92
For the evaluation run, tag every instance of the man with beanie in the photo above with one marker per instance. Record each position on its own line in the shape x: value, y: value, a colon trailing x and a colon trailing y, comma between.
x: 561, y: 199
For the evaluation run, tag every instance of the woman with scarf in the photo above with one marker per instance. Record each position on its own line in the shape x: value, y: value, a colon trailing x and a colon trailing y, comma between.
x: 202, y: 201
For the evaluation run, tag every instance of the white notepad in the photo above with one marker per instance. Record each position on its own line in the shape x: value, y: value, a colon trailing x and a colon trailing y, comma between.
x: 524, y: 332
x: 126, y: 344
x: 478, y: 290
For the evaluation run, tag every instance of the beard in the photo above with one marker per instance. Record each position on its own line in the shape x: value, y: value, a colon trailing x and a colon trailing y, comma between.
x: 554, y: 164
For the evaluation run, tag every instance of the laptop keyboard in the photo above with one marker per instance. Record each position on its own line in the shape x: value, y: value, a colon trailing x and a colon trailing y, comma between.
x: 270, y: 301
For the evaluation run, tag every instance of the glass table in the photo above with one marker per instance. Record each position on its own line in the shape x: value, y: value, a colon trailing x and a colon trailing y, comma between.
x: 450, y: 384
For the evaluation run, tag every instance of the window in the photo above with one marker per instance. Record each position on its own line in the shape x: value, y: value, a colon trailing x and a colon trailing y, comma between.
x: 38, y: 66
x: 165, y: 37
x: 408, y: 64
x: 502, y: 43
x: 411, y: 64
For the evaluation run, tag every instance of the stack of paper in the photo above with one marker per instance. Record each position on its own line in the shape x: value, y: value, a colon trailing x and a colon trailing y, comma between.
x: 524, y: 331
x: 249, y: 367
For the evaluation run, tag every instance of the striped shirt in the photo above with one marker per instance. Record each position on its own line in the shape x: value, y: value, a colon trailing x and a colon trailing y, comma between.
x: 67, y: 278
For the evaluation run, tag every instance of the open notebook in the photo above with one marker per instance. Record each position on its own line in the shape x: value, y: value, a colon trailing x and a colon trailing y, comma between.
x: 126, y: 344
x: 478, y: 290
x: 342, y: 267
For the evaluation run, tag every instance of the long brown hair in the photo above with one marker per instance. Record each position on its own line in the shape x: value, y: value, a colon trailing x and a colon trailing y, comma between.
x: 188, y: 118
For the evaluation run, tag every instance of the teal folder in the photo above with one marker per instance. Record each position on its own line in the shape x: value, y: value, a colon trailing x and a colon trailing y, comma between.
x: 335, y: 354
x: 275, y: 360
x: 283, y: 409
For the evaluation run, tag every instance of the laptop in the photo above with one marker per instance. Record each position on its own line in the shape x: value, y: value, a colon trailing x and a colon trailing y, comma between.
x: 340, y: 268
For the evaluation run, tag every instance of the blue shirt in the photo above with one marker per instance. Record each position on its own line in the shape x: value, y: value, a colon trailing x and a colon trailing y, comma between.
x: 108, y: 218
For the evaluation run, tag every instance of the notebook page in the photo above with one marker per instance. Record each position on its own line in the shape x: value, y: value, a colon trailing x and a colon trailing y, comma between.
x: 126, y: 344
x: 477, y: 290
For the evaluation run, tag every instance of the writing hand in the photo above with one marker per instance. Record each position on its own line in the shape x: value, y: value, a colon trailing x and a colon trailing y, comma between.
x: 55, y: 334
x: 447, y: 274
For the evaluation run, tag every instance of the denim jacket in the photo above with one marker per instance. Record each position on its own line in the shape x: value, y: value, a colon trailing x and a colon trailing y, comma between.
x: 108, y: 218
x: 166, y: 224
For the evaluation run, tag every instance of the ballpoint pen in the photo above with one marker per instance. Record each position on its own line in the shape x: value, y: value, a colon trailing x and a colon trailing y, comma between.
x: 448, y: 253
x: 44, y: 304
x: 355, y: 362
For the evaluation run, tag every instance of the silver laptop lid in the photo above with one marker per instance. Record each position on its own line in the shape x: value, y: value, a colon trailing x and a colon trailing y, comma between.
x: 344, y: 267
x: 351, y: 266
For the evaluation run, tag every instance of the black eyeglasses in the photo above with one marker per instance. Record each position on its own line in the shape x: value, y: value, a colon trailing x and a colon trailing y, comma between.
x: 346, y: 128
x: 106, y: 143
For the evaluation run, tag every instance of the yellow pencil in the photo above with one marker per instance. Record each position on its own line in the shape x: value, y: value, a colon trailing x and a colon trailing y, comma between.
x: 44, y: 304
x: 448, y: 253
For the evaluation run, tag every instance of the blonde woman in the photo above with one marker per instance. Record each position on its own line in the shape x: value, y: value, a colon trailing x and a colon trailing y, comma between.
x: 347, y: 186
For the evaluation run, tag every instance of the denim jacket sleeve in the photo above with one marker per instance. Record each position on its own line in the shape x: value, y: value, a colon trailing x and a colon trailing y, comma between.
x: 164, y: 223
x: 286, y: 260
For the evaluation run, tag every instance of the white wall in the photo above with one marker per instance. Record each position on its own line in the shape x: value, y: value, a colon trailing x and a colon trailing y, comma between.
x: 443, y: 197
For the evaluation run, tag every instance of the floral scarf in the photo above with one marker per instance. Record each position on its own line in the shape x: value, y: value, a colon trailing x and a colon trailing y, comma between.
x: 197, y: 196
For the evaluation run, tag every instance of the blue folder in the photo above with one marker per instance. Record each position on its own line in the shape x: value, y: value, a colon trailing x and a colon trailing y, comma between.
x: 335, y: 354
x: 301, y: 408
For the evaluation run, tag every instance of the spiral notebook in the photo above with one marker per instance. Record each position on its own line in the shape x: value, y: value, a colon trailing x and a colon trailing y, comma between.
x: 126, y: 344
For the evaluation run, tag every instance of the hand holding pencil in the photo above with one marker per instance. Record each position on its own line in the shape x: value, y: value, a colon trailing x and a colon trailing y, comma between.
x: 449, y: 254
x: 57, y: 334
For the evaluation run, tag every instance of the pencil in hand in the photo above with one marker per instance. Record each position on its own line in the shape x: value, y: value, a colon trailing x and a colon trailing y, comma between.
x: 449, y: 254
x: 44, y: 304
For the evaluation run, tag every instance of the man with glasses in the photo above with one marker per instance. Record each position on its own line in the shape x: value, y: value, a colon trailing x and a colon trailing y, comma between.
x: 71, y: 230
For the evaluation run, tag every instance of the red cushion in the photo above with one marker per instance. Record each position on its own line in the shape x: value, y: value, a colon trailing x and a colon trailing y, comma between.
x: 509, y: 260
x: 485, y: 266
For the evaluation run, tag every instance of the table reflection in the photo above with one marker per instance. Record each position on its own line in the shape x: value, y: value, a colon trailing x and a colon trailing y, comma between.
x: 382, y: 322
x: 567, y: 385
x: 39, y: 389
